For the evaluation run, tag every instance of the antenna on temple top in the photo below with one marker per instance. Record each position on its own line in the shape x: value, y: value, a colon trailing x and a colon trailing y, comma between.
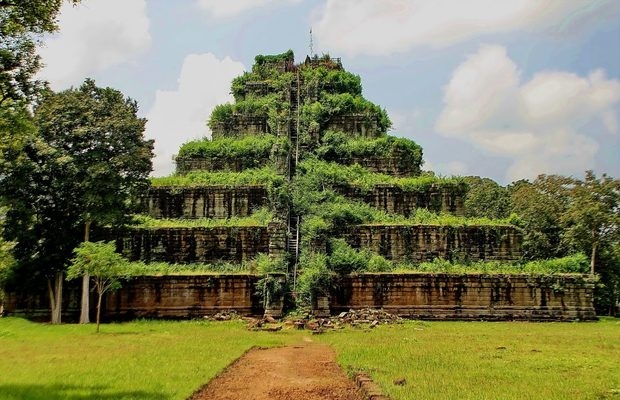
x: 311, y: 44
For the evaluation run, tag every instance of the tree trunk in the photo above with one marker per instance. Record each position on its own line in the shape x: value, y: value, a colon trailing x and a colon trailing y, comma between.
x: 593, y: 257
x: 85, y: 303
x: 99, y: 309
x: 55, y: 293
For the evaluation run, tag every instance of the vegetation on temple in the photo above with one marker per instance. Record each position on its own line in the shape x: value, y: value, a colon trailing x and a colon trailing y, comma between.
x: 306, y: 133
x: 327, y: 171
x: 256, y: 149
x: 260, y: 217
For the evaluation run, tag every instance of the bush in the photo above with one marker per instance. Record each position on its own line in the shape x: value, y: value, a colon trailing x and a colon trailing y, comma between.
x: 257, y: 148
x: 337, y: 146
x: 316, y: 279
x: 343, y: 260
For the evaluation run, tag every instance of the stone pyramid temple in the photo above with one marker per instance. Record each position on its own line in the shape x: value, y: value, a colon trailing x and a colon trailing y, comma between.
x: 303, y: 190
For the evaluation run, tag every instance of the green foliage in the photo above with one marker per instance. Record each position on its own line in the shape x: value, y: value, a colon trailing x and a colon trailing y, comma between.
x: 260, y: 60
x: 257, y: 148
x: 337, y: 146
x: 269, y: 106
x: 101, y: 137
x: 260, y: 217
x: 573, y: 264
x: 486, y: 198
x: 261, y: 264
x: 221, y: 114
x: 539, y: 206
x: 316, y: 278
x: 100, y: 260
x: 263, y: 176
x: 273, y: 284
x: 338, y: 104
x: 21, y: 22
x: 343, y: 260
x: 7, y: 261
x: 320, y: 175
x: 162, y: 269
x: 277, y: 186
x: 322, y: 79
x: 592, y: 217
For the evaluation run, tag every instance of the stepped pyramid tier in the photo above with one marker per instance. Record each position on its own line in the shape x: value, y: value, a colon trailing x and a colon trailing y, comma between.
x: 302, y: 190
x: 300, y: 140
x: 300, y: 171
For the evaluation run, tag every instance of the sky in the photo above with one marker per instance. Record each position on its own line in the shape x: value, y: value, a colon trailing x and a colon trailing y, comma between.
x: 500, y: 89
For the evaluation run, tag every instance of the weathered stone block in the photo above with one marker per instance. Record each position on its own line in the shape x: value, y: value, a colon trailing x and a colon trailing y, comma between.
x: 418, y: 243
x: 241, y: 125
x: 183, y: 297
x: 193, y: 245
x: 204, y: 202
x: 469, y: 297
x: 361, y: 125
x: 395, y: 200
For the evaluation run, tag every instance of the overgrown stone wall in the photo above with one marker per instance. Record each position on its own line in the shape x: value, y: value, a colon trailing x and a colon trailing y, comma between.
x: 360, y: 125
x: 33, y: 302
x: 204, y: 202
x: 419, y: 243
x: 413, y: 295
x: 383, y: 165
x: 469, y: 297
x: 229, y: 164
x: 395, y: 200
x: 194, y: 245
x: 240, y: 125
x: 183, y: 297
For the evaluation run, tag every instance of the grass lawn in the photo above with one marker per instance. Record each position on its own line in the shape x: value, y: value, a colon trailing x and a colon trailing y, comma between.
x: 487, y: 360
x: 438, y: 360
x: 138, y: 360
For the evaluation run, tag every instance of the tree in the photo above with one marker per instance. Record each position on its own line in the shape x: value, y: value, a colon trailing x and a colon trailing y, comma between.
x: 6, y: 259
x: 21, y: 21
x: 486, y: 198
x: 539, y: 206
x: 41, y: 211
x: 592, y: 217
x: 100, y: 136
x: 106, y: 268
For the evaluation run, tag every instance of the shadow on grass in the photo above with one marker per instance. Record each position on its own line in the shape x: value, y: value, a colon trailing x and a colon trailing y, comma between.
x: 71, y: 392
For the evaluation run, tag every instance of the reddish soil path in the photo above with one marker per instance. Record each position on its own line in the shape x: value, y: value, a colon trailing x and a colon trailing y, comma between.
x: 307, y: 372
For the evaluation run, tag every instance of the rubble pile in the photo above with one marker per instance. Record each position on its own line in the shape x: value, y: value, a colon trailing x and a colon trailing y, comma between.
x: 223, y: 316
x: 358, y: 318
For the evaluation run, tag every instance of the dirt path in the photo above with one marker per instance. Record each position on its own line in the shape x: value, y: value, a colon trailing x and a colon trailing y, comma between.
x: 307, y: 371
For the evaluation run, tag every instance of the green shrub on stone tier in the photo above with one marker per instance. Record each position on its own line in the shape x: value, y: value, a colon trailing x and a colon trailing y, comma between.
x: 267, y: 176
x: 256, y: 148
x: 315, y: 174
x: 337, y: 146
x: 271, y: 106
x: 574, y: 264
x: 321, y: 80
x: 260, y: 217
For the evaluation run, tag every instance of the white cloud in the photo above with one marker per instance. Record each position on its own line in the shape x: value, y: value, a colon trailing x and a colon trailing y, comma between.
x: 181, y: 115
x: 94, y: 35
x: 230, y: 8
x: 451, y: 168
x: 539, y: 124
x: 381, y: 27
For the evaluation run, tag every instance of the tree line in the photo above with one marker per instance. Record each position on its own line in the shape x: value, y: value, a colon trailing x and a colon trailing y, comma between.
x: 559, y: 216
x: 78, y: 158
x: 68, y: 160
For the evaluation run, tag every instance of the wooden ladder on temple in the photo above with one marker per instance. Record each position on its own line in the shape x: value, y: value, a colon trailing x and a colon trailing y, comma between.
x: 293, y: 158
